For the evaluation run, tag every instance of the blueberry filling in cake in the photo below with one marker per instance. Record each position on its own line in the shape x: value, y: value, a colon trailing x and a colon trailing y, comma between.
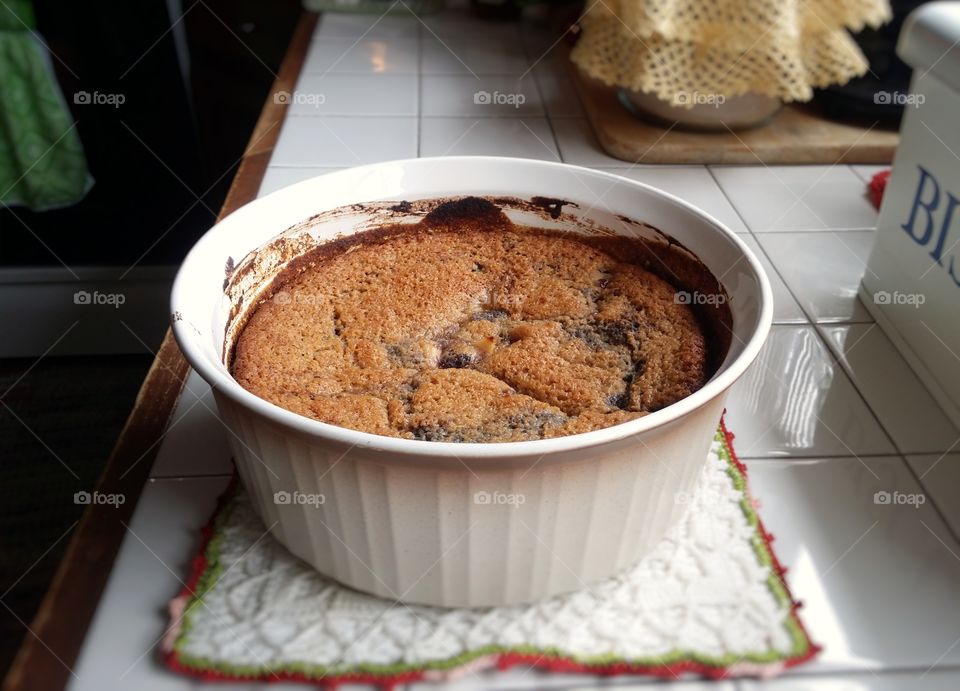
x: 467, y: 328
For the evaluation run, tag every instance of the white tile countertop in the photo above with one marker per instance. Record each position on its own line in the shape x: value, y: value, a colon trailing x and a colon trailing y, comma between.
x: 828, y: 415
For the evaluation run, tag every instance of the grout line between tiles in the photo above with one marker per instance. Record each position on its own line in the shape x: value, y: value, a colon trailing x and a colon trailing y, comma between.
x: 485, y: 117
x: 866, y: 181
x: 796, y: 674
x: 716, y: 181
x: 781, y: 231
x: 900, y: 452
x: 828, y: 324
x: 835, y: 361
x: 543, y: 102
x: 818, y: 456
x: 850, y: 168
x: 763, y: 250
x: 710, y: 168
x: 776, y: 270
x: 811, y: 318
x: 951, y: 530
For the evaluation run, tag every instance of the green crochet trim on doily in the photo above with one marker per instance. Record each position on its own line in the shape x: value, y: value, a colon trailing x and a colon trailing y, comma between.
x: 210, y: 576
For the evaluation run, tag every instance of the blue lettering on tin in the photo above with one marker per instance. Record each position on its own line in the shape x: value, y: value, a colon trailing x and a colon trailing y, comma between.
x: 921, y: 224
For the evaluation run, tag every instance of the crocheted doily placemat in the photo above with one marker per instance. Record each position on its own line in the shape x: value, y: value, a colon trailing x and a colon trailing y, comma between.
x: 710, y: 600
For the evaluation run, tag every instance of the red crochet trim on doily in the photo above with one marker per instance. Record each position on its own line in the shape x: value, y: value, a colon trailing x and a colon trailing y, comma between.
x: 503, y: 661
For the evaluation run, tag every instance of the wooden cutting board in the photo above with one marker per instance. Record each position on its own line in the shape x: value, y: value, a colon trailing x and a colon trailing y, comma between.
x: 797, y: 134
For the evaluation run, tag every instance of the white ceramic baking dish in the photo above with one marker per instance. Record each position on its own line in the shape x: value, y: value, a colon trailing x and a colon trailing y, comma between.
x: 445, y: 523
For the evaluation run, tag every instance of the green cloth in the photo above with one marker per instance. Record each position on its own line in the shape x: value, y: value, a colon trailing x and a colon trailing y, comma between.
x: 42, y: 165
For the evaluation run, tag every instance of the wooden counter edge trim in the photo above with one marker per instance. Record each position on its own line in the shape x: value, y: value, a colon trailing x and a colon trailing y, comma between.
x: 56, y: 634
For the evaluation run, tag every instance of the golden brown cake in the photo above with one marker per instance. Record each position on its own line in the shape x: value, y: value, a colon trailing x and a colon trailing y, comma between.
x: 472, y: 332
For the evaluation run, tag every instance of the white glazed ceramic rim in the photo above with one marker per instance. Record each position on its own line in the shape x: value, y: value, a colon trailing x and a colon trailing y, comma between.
x: 728, y: 373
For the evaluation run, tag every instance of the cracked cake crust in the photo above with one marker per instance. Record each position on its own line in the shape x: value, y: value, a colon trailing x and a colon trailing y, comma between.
x: 468, y: 328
